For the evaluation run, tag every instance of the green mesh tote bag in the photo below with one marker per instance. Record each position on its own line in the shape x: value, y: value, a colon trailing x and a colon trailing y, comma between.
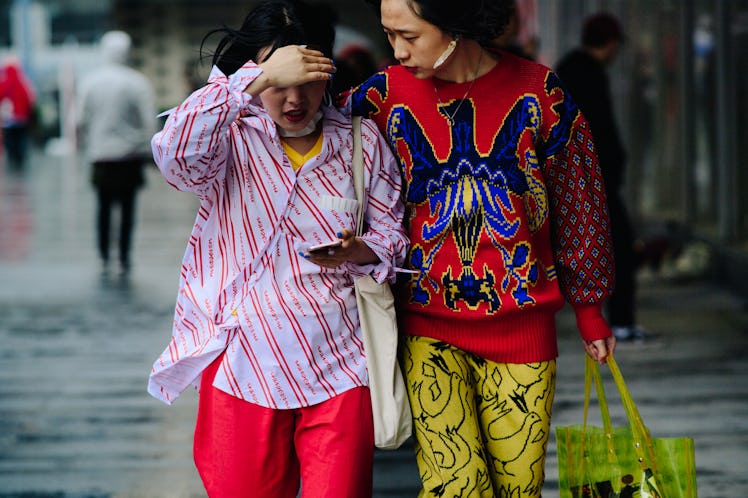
x: 620, y: 462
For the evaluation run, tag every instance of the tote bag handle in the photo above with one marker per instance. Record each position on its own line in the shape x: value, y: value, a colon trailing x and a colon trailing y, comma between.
x: 358, y: 174
x: 643, y: 446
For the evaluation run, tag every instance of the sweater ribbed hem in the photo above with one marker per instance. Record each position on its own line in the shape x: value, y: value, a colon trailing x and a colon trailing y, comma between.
x: 527, y: 337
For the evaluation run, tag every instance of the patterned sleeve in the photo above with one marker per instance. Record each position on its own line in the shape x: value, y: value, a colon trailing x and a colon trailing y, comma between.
x: 582, y: 240
x: 194, y: 145
x: 362, y: 100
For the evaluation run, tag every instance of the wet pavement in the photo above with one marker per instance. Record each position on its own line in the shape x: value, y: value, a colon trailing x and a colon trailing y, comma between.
x: 77, y: 346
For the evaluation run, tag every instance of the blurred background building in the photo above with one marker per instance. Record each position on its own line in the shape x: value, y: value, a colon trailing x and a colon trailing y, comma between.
x: 682, y: 102
x: 681, y: 94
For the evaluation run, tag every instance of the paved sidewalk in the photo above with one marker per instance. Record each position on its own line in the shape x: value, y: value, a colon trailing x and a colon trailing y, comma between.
x: 76, y: 421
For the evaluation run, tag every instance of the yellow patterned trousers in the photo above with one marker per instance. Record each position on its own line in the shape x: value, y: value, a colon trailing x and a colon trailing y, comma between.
x: 481, y: 428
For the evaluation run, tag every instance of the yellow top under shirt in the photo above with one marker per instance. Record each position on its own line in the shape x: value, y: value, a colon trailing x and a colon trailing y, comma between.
x: 298, y: 160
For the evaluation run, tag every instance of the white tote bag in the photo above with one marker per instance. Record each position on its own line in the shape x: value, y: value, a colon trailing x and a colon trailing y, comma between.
x: 376, y: 311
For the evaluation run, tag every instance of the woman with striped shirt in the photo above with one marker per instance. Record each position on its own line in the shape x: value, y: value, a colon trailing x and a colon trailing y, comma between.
x: 266, y: 326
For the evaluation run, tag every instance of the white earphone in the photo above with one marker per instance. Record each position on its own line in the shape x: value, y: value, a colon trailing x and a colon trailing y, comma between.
x: 445, y: 55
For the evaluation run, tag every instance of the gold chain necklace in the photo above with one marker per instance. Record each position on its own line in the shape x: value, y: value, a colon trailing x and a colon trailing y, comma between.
x: 450, y: 117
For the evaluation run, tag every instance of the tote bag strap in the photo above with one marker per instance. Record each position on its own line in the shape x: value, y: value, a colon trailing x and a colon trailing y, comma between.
x: 592, y: 373
x: 642, y: 440
x: 357, y: 168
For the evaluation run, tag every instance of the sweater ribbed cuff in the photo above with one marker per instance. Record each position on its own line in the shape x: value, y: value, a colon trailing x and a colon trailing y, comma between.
x: 590, y: 322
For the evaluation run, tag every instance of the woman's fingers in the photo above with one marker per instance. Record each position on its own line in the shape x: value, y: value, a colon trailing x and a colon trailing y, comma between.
x: 314, y: 56
x: 331, y: 260
x: 600, y: 349
x: 294, y: 65
x: 320, y: 69
x: 315, y: 64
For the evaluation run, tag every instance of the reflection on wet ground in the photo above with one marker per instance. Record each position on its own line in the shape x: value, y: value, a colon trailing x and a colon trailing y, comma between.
x: 77, y: 344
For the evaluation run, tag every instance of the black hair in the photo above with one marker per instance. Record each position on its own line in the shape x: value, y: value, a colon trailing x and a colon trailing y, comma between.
x: 479, y: 20
x: 274, y: 24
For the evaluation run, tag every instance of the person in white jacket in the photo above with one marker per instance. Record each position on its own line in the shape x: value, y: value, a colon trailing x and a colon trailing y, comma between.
x: 266, y: 326
x: 116, y: 120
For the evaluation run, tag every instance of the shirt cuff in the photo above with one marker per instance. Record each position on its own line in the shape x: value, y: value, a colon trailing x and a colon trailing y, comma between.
x: 590, y: 321
x: 384, y: 270
x: 380, y: 272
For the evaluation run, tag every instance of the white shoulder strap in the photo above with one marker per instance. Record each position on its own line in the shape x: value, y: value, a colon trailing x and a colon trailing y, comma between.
x: 358, y: 174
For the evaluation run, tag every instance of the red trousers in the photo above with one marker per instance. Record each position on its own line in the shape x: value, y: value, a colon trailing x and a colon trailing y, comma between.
x: 245, y: 450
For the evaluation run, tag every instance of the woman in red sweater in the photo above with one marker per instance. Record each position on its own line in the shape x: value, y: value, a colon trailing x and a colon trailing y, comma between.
x: 507, y: 218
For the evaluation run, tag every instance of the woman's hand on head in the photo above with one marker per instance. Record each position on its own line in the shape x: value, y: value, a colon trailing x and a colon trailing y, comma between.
x: 292, y: 65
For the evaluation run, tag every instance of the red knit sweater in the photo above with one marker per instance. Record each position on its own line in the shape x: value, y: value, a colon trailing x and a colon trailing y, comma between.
x: 506, y: 209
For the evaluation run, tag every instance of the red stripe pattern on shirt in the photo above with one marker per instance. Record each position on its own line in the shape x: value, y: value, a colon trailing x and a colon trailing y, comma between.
x: 289, y: 328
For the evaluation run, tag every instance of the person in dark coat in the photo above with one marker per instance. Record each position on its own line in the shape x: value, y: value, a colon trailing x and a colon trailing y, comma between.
x: 583, y: 73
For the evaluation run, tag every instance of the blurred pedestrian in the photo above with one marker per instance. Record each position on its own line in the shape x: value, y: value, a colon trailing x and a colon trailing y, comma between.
x: 267, y: 326
x: 507, y: 220
x: 583, y: 73
x: 509, y: 39
x: 116, y: 119
x: 17, y: 112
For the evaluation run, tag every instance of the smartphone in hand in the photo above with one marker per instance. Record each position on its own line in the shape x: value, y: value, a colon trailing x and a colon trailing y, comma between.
x: 325, y: 246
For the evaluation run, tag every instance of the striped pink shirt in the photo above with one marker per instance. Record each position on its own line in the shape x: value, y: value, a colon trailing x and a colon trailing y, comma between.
x: 289, y: 327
